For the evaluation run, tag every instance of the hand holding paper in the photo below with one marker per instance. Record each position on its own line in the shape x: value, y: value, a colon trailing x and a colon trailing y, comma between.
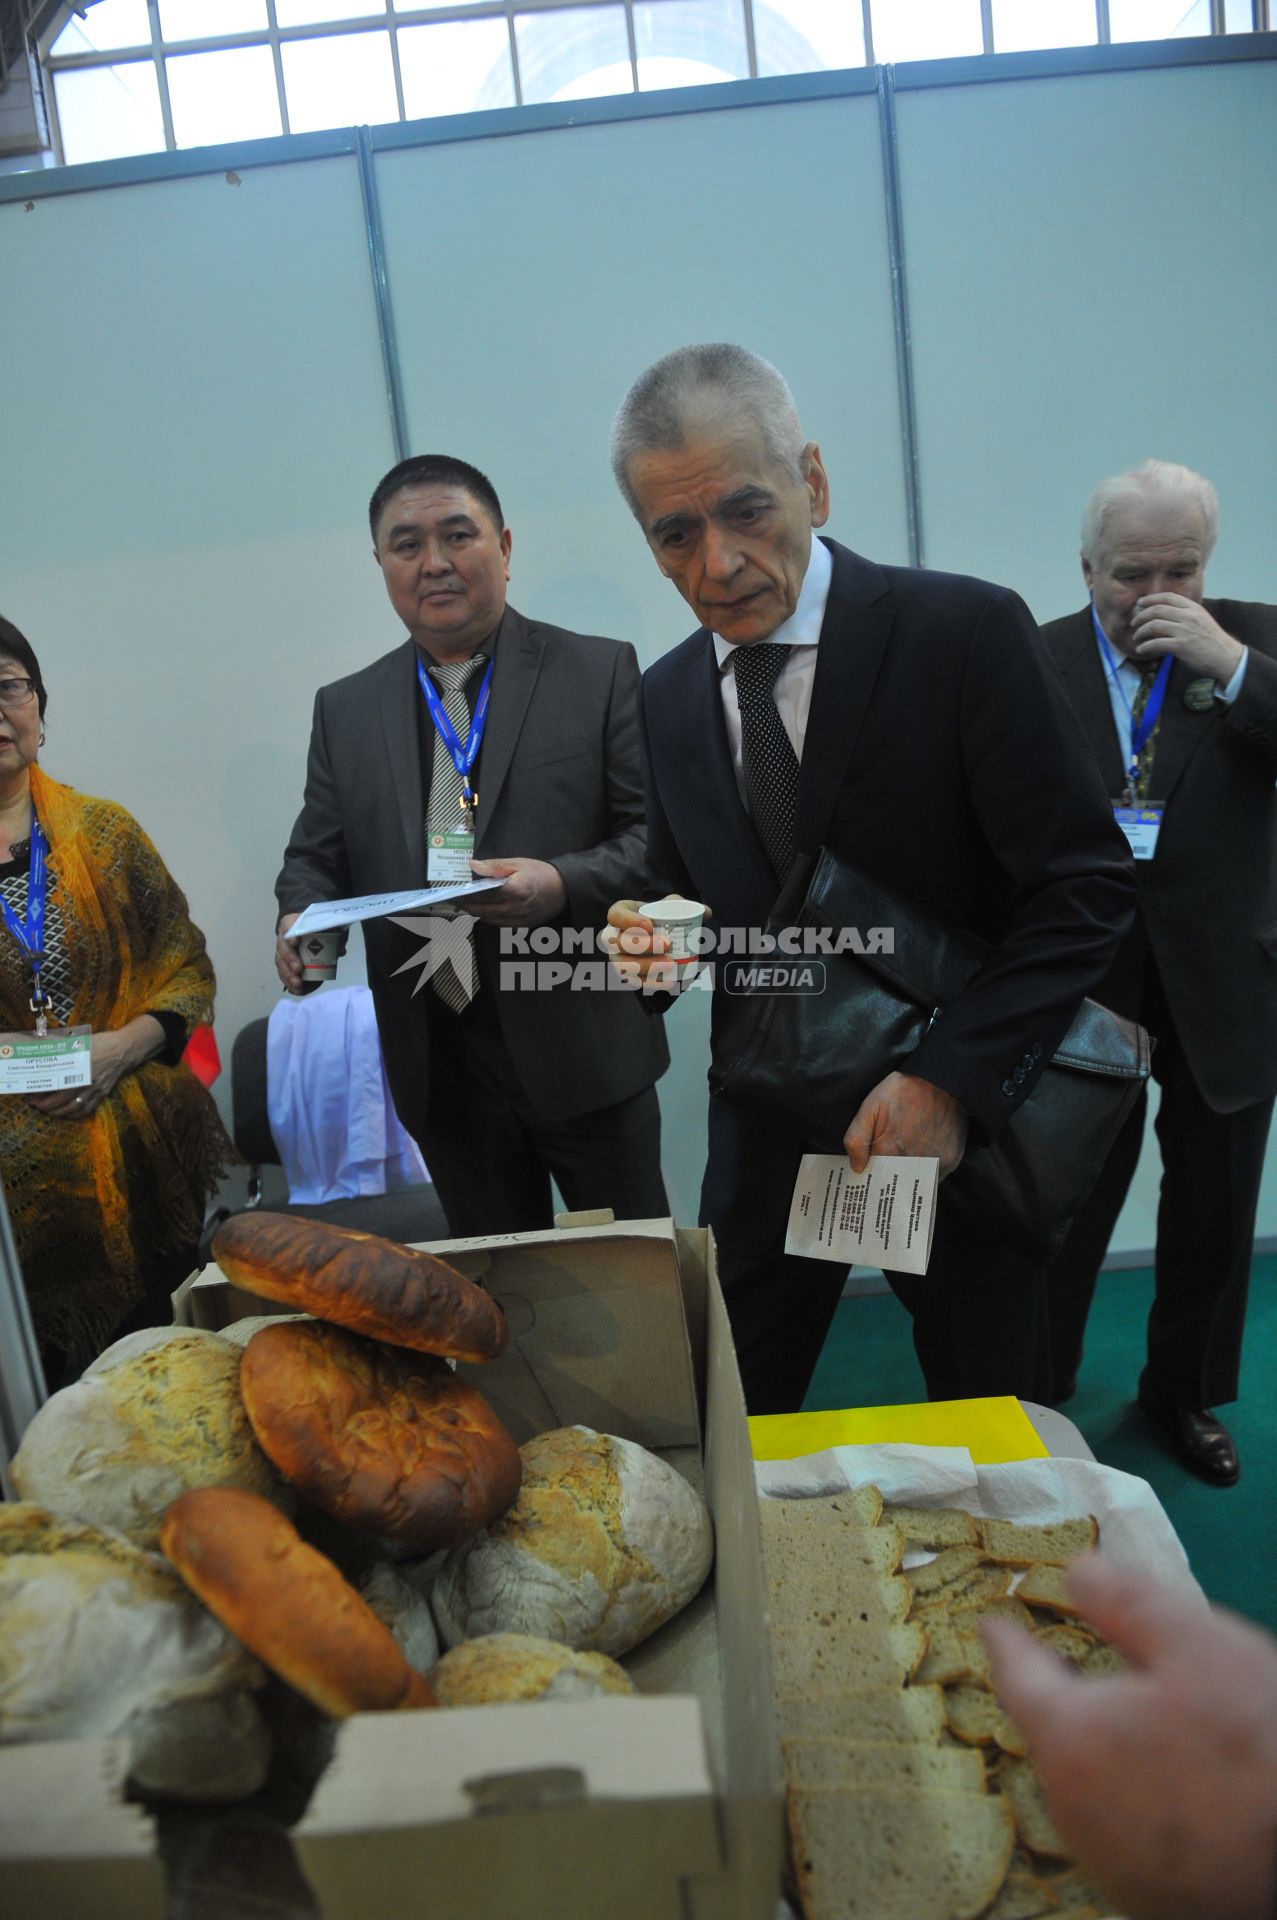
x: 883, y: 1217
x: 904, y: 1114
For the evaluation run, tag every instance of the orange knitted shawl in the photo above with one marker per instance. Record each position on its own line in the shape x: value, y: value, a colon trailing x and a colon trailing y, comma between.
x: 92, y: 1200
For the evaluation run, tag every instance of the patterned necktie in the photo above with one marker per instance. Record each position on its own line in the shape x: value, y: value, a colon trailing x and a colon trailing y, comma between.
x: 1144, y: 760
x: 456, y: 980
x: 767, y: 755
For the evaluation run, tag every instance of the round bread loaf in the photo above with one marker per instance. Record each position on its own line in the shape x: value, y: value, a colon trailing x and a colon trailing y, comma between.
x: 358, y: 1280
x: 287, y: 1604
x: 516, y: 1666
x: 149, y: 1421
x: 381, y: 1439
x: 98, y: 1639
x: 605, y: 1542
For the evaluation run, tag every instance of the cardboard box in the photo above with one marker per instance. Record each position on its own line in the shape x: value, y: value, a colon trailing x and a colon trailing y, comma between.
x: 663, y: 1807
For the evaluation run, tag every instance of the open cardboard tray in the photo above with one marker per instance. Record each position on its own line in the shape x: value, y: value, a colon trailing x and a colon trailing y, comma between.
x: 664, y: 1807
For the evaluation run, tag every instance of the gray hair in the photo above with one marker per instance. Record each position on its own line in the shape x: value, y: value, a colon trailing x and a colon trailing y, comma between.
x: 699, y: 389
x: 1155, y: 483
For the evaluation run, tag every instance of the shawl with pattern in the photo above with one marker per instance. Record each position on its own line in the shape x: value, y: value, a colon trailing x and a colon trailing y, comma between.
x: 93, y: 1200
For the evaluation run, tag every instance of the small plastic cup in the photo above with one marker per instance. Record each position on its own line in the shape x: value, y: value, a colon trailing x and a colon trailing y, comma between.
x: 678, y: 920
x: 319, y: 956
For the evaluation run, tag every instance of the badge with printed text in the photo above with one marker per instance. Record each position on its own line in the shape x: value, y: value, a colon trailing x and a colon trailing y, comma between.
x: 49, y: 1063
x: 1141, y: 825
x: 448, y: 857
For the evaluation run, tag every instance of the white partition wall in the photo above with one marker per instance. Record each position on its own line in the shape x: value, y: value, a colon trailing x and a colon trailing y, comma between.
x: 195, y: 402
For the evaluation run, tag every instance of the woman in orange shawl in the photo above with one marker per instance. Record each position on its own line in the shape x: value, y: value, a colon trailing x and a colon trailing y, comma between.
x: 106, y: 1184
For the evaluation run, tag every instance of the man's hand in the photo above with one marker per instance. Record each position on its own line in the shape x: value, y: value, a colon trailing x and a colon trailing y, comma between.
x: 1168, y: 623
x: 112, y: 1056
x: 1163, y: 1779
x: 288, y: 961
x: 906, y: 1115
x: 635, y: 949
x: 533, y: 893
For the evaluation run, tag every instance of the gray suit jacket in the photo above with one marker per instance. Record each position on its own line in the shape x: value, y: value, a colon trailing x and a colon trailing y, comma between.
x: 1208, y: 899
x: 558, y: 780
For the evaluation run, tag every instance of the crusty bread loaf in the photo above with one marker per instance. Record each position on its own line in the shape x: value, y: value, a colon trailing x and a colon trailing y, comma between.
x: 391, y: 1442
x: 605, y: 1543
x: 287, y: 1603
x: 98, y: 1639
x: 150, y: 1421
x: 358, y: 1280
x: 903, y: 1853
x: 519, y: 1666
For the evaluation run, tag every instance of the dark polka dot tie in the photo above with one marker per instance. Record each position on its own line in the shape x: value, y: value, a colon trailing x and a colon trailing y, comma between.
x: 769, y: 761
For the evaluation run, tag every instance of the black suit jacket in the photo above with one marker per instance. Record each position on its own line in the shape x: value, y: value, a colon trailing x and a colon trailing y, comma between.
x: 1208, y: 898
x: 941, y: 756
x: 558, y: 780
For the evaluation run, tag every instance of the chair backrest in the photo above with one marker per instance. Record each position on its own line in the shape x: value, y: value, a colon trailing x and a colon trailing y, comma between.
x: 250, y: 1121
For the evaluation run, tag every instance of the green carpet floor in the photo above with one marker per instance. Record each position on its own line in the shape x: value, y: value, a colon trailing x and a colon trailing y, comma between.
x: 1229, y: 1533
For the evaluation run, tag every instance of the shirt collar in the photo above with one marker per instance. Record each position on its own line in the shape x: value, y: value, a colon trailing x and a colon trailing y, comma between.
x: 802, y: 629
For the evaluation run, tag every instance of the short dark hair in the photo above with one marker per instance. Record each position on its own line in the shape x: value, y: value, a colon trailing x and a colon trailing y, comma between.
x: 435, y: 470
x: 19, y: 648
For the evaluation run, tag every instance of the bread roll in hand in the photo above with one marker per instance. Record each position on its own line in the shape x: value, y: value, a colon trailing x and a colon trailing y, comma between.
x: 358, y: 1280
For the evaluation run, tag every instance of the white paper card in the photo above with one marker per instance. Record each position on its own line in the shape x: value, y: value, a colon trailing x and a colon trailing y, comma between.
x: 375, y: 906
x: 883, y: 1217
x: 29, y: 1064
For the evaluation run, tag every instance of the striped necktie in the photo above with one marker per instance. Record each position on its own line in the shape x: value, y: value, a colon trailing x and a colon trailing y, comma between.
x: 455, y: 981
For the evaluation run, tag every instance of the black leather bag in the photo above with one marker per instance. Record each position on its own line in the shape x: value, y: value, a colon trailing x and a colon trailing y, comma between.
x: 810, y: 1058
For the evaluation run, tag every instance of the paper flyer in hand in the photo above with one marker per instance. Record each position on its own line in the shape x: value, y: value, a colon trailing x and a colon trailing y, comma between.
x: 883, y: 1217
x: 323, y: 914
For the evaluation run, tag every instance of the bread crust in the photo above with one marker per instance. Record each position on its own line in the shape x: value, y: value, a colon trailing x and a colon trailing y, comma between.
x: 360, y: 1281
x: 386, y: 1441
x: 287, y: 1604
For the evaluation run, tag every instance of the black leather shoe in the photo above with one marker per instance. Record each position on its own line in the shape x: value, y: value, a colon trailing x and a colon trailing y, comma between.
x: 1201, y: 1440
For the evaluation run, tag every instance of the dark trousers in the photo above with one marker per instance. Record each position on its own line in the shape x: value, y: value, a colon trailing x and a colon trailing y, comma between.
x: 1212, y: 1164
x: 491, y: 1155
x: 979, y: 1313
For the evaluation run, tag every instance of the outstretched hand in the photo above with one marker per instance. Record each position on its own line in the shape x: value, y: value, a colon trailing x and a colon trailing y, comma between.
x: 1163, y: 1779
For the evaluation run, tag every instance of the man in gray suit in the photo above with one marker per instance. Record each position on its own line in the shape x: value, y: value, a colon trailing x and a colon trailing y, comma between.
x: 1178, y: 696
x: 481, y: 734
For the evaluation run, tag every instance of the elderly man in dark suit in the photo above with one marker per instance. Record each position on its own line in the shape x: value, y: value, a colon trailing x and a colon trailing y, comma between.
x: 483, y: 733
x: 1178, y: 697
x: 910, y: 722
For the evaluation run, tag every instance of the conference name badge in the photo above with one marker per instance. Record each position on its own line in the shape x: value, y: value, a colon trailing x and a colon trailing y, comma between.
x: 1141, y: 825
x: 31, y: 1063
x: 448, y: 857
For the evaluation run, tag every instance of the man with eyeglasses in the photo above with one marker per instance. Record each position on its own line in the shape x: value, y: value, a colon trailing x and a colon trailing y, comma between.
x: 1178, y: 697
x: 487, y: 745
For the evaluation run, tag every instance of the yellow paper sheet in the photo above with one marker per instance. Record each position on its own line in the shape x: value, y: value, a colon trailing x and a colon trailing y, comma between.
x: 992, y: 1430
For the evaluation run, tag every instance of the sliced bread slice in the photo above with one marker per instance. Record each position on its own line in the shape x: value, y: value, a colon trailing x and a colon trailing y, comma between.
x: 935, y: 1527
x: 903, y: 1853
x: 865, y: 1713
x: 869, y: 1764
x: 1014, y: 1545
x: 857, y: 1655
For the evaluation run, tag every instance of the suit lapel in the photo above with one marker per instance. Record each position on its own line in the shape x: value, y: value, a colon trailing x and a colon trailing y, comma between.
x: 853, y: 639
x: 1077, y: 656
x: 519, y: 650
x: 1179, y: 733
x: 397, y: 697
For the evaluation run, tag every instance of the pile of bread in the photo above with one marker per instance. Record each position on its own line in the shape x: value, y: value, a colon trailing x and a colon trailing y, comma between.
x: 909, y: 1792
x: 322, y: 1498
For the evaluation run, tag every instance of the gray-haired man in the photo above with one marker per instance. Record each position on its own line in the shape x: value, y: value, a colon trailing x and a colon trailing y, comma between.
x: 910, y: 722
x: 1178, y: 698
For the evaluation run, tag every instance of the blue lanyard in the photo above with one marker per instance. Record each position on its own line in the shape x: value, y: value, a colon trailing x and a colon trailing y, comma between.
x: 463, y: 758
x: 30, y: 934
x: 1141, y: 730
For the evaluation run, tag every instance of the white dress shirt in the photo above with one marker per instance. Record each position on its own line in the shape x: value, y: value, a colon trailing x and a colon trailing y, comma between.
x: 800, y: 633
